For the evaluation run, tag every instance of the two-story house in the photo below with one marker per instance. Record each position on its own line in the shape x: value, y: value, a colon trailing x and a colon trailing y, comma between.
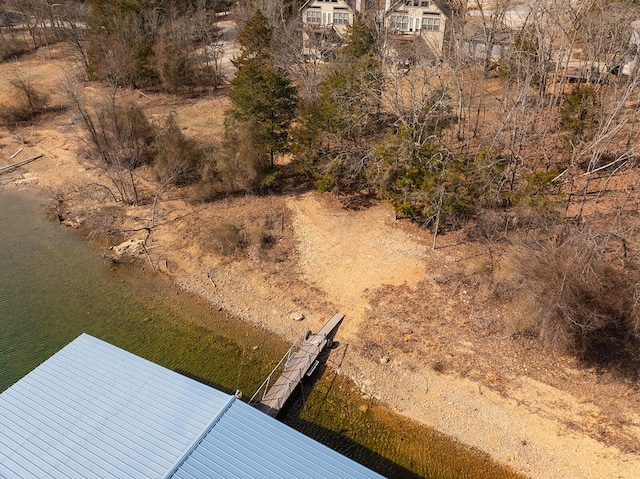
x: 324, y: 24
x: 404, y: 21
x: 419, y: 23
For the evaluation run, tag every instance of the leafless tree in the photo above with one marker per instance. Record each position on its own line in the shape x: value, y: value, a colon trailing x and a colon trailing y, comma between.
x: 119, y: 135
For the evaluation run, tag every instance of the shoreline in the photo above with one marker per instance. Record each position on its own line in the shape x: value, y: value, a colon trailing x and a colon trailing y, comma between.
x: 520, y: 442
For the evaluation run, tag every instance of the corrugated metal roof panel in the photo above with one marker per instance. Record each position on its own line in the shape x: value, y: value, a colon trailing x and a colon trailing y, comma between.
x: 94, y: 410
x: 247, y: 443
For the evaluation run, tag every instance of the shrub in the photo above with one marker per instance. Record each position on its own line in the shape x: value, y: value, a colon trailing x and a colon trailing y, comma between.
x: 579, y: 113
x: 177, y: 159
x: 577, y: 291
x: 244, y: 159
x: 28, y: 102
x: 209, y: 185
x: 11, y: 48
x: 431, y: 184
x: 120, y: 137
x: 226, y: 238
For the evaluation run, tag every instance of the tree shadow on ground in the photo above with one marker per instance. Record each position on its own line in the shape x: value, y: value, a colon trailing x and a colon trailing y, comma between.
x: 613, y: 351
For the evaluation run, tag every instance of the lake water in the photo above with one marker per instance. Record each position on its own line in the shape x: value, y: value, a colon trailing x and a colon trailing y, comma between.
x: 54, y: 285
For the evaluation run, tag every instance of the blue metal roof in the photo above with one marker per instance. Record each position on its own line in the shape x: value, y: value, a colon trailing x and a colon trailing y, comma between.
x: 94, y: 410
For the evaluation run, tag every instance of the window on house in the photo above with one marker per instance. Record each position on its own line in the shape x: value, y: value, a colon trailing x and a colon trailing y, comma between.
x: 340, y: 18
x: 314, y: 16
x: 423, y: 3
x: 431, y: 23
x: 416, y: 3
x: 399, y: 22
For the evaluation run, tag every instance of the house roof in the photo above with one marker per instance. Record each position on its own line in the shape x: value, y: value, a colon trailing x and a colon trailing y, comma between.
x: 94, y: 410
x: 350, y: 3
x: 442, y: 5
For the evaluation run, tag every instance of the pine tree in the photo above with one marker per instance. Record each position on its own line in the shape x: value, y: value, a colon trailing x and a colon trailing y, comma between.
x: 261, y: 94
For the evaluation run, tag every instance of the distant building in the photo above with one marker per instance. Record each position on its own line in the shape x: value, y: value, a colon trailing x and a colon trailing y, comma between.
x: 418, y: 23
x: 324, y: 25
x: 414, y: 29
x: 480, y: 42
x: 94, y: 410
x: 630, y: 63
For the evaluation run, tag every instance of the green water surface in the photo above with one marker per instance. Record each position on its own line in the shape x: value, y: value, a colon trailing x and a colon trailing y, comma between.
x: 55, y: 286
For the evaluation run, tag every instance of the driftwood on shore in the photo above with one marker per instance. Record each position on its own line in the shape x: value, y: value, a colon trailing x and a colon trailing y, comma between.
x: 8, y: 168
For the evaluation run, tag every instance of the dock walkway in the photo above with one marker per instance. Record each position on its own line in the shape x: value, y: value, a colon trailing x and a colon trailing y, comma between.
x: 302, y: 362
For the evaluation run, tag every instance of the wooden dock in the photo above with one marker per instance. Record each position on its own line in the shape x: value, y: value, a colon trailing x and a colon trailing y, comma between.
x: 304, y: 361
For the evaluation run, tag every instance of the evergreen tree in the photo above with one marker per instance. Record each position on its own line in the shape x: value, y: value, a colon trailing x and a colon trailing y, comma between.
x: 261, y: 94
x: 360, y: 40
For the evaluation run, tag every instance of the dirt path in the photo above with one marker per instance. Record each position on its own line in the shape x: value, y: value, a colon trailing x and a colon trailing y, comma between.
x: 346, y: 253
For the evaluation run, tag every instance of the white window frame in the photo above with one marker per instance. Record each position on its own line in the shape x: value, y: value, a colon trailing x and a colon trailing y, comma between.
x: 431, y: 22
x: 314, y: 17
x: 341, y: 18
x: 399, y: 22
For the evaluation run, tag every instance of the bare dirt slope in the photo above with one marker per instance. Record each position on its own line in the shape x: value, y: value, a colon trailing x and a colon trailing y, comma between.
x: 347, y: 253
x: 424, y: 334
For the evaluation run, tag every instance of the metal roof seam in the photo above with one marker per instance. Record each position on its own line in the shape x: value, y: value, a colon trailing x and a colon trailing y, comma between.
x: 209, y: 465
x: 94, y: 410
x: 17, y: 453
x: 117, y: 385
x: 111, y: 413
x: 199, y: 439
x: 291, y: 445
x: 157, y: 370
x: 54, y: 416
x: 51, y: 442
x: 300, y: 443
x: 29, y: 441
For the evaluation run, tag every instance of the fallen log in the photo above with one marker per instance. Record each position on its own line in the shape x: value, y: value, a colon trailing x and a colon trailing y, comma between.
x: 8, y: 168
